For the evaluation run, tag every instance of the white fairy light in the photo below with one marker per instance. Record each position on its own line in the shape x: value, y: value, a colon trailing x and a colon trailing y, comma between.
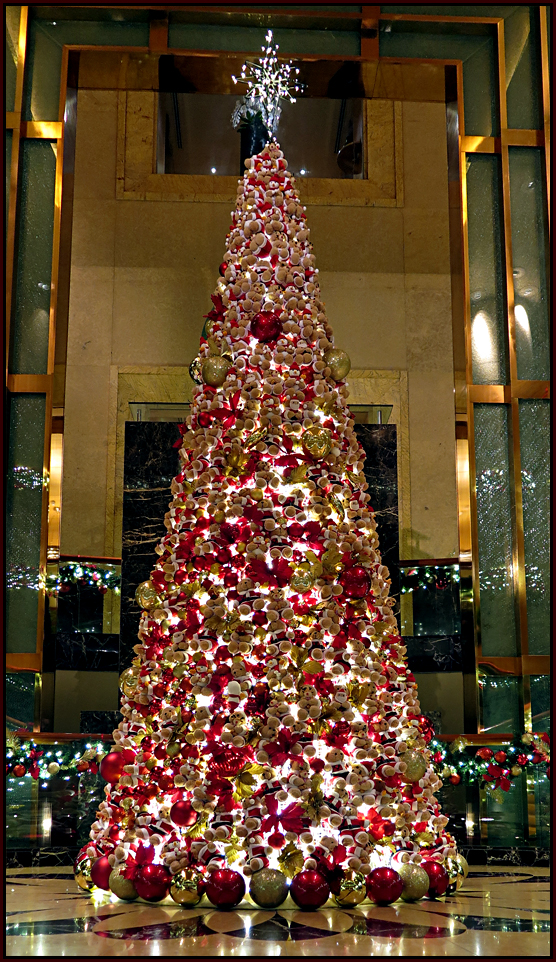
x: 268, y: 82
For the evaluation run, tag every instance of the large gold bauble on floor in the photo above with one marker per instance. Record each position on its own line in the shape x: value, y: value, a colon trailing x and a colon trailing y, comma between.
x: 352, y: 890
x: 121, y: 886
x: 463, y: 863
x: 268, y: 888
x: 184, y: 887
x: 416, y: 767
x: 147, y: 596
x: 456, y: 876
x: 338, y: 362
x: 82, y: 871
x: 415, y: 881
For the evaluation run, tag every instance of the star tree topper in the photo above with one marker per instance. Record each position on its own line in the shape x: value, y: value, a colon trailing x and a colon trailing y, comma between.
x: 267, y: 84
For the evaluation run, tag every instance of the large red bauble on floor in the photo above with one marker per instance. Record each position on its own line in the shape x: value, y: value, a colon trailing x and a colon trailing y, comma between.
x: 112, y: 767
x: 309, y: 890
x: 355, y: 582
x: 438, y: 877
x: 183, y: 814
x: 266, y: 326
x: 225, y: 888
x: 384, y: 886
x: 100, y: 872
x: 152, y: 882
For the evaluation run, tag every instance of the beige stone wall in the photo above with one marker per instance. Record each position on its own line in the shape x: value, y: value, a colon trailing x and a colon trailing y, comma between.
x: 141, y: 277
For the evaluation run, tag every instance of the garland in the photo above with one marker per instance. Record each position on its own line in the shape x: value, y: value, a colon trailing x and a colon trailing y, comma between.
x: 494, y: 770
x: 89, y: 575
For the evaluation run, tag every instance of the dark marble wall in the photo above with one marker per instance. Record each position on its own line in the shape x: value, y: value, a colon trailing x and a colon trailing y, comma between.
x: 150, y: 463
x: 99, y: 722
x: 379, y: 441
x: 87, y: 650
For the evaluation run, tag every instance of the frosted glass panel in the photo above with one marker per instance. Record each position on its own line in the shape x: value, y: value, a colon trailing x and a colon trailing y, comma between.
x: 494, y: 530
x: 11, y: 38
x: 529, y: 252
x: 29, y: 350
x: 523, y: 68
x: 540, y: 703
x: 499, y: 698
x: 486, y: 279
x: 24, y: 490
x: 534, y: 432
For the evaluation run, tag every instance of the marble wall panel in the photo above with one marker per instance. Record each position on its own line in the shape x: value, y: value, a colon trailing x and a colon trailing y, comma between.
x: 95, y: 145
x: 150, y: 463
x: 99, y: 722
x: 87, y: 651
x: 367, y: 314
x: 80, y: 691
x: 442, y: 692
x: 431, y: 653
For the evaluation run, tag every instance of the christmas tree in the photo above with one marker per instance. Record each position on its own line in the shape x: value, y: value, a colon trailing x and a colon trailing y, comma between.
x: 271, y: 729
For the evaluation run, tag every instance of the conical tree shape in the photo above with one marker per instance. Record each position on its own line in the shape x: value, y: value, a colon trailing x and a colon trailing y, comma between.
x: 270, y: 718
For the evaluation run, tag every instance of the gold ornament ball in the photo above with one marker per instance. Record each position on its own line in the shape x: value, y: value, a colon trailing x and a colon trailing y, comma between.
x: 184, y: 888
x: 317, y: 442
x: 302, y: 581
x: 416, y: 767
x: 147, y: 596
x: 121, y: 886
x: 463, y: 864
x: 83, y: 873
x: 268, y: 888
x: 415, y: 882
x: 214, y: 371
x: 338, y: 362
x: 352, y: 890
x: 456, y: 877
x: 195, y: 370
x: 129, y: 680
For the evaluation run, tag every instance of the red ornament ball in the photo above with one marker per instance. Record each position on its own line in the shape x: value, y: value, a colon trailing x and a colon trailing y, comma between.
x: 355, y: 582
x: 19, y: 771
x: 266, y: 326
x: 183, y: 814
x: 309, y: 890
x: 152, y: 882
x: 276, y: 840
x: 500, y: 757
x: 223, y: 268
x: 225, y: 888
x: 100, y: 872
x: 384, y: 886
x: 438, y: 877
x: 112, y: 767
x: 455, y: 779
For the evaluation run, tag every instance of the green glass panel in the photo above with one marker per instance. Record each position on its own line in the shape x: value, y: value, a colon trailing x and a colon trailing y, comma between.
x: 540, y: 703
x: 523, y: 68
x: 44, y: 56
x: 498, y: 636
x: 529, y: 247
x: 486, y: 276
x: 10, y: 54
x: 8, y: 161
x: 24, y: 490
x: 29, y: 334
x: 507, y: 819
x: 20, y: 699
x: 534, y: 435
x: 499, y: 699
x: 450, y: 10
x: 478, y: 54
x: 543, y: 809
x: 193, y: 36
x: 21, y: 819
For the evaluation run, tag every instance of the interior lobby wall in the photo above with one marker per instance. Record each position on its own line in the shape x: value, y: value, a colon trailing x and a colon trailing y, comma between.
x: 142, y: 272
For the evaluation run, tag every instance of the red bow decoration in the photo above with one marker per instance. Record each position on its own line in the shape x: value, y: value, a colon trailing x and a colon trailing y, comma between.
x: 330, y: 867
x: 218, y: 310
x: 280, y: 750
x: 278, y: 576
x: 289, y: 819
x: 143, y: 856
x: 227, y: 415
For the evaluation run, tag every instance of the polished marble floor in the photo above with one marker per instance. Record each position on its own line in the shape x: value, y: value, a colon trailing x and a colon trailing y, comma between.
x: 498, y: 912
